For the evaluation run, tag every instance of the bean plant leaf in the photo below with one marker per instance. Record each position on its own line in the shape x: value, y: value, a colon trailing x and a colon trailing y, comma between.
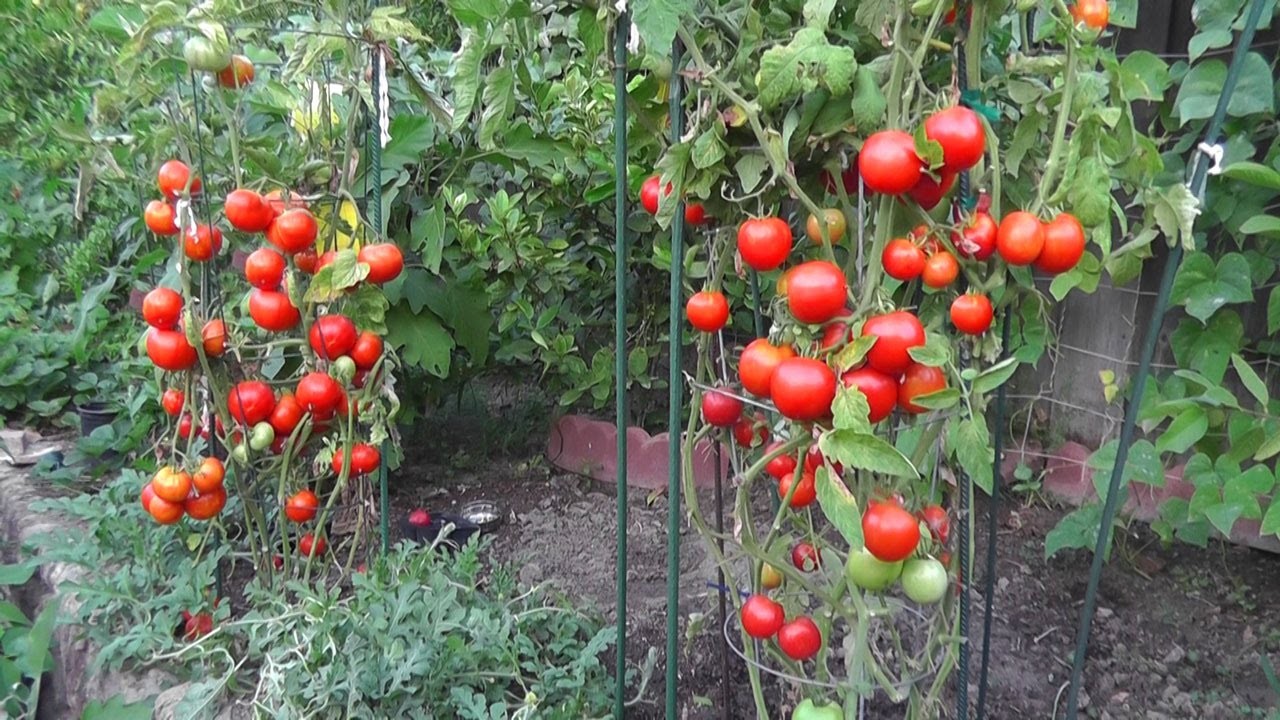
x: 1249, y: 377
x: 1253, y: 173
x: 17, y: 574
x: 1077, y: 529
x: 803, y: 65
x: 1271, y: 521
x: 1223, y: 516
x: 1268, y: 225
x: 839, y: 505
x: 864, y: 451
x: 1273, y: 311
x: 1175, y: 210
x: 1185, y: 431
x: 1207, y: 348
x: 1204, y: 287
x: 1144, y: 76
x: 1203, y: 85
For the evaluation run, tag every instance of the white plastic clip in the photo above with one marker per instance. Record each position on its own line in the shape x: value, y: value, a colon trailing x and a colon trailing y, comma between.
x: 384, y: 102
x: 1215, y: 153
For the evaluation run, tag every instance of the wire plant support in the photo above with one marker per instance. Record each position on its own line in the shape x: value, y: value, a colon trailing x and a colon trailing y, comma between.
x: 1200, y: 168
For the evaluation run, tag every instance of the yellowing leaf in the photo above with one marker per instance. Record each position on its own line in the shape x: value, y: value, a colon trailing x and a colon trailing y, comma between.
x: 347, y: 232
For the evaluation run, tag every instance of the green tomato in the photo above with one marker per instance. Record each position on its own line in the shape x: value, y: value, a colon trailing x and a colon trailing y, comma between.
x: 240, y: 453
x: 924, y: 580
x: 262, y: 435
x: 201, y: 53
x: 924, y: 8
x: 869, y: 572
x: 558, y: 179
x: 807, y: 710
x: 1026, y: 5
x: 343, y: 370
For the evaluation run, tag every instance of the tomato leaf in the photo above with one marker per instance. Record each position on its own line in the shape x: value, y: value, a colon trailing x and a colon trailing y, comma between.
x: 969, y: 442
x: 839, y: 505
x: 476, y: 13
x: 817, y: 13
x: 868, y: 104
x: 936, y: 351
x: 657, y: 21
x: 995, y: 376
x: 850, y: 410
x: 330, y: 281
x: 938, y: 399
x: 750, y: 169
x: 803, y: 65
x: 854, y: 352
x: 421, y: 338
x: 499, y: 99
x: 866, y: 452
x: 1144, y: 76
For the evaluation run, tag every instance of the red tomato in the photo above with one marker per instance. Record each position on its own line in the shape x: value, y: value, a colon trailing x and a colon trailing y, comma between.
x: 916, y: 381
x: 148, y: 494
x: 385, y: 262
x: 203, y: 244
x: 806, y: 492
x: 803, y: 388
x: 162, y: 308
x: 367, y: 350
x: 161, y: 218
x: 264, y: 268
x: 940, y: 270
x: 247, y: 211
x: 816, y: 291
x: 902, y: 260
x: 169, y: 350
x: 293, y: 231
x: 888, y: 162
x: 209, y: 476
x: 764, y: 243
x: 889, y: 532
x: 833, y: 334
x: 896, y: 333
x: 332, y: 336
x: 279, y: 203
x: 880, y: 389
x: 272, y: 310
x: 959, y: 130
x: 939, y: 524
x: 311, y: 546
x: 364, y: 460
x: 1063, y: 244
x: 172, y: 179
x: 238, y: 74
x: 707, y: 310
x: 251, y: 402
x: 848, y: 178
x: 285, y: 416
x: 172, y: 401
x: 214, y: 337
x: 720, y: 408
x: 978, y: 238
x: 187, y: 427
x: 205, y: 505
x: 814, y: 459
x: 164, y: 511
x: 695, y: 214
x: 805, y: 557
x: 1093, y: 13
x: 972, y: 313
x: 928, y: 192
x: 319, y: 394
x: 649, y: 194
x: 307, y: 261
x: 326, y: 259
x: 800, y: 639
x: 758, y: 362
x: 781, y: 465
x: 301, y: 506
x: 761, y: 617
x: 751, y: 431
x: 170, y: 484
x: 1020, y: 238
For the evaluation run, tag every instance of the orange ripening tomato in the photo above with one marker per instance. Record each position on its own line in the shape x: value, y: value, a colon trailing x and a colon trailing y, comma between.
x: 1094, y: 14
x: 161, y: 218
x: 214, y: 335
x: 238, y: 74
x: 209, y: 476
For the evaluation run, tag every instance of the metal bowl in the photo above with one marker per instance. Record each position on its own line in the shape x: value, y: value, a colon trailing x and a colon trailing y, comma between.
x: 483, y: 513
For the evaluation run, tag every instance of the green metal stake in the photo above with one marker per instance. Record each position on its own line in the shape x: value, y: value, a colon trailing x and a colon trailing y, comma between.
x: 676, y: 385
x: 755, y: 303
x: 1199, y: 174
x: 621, y: 32
x: 375, y: 197
x: 993, y: 508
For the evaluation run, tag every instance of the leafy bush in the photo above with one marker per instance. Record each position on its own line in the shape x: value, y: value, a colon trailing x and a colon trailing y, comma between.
x: 419, y: 631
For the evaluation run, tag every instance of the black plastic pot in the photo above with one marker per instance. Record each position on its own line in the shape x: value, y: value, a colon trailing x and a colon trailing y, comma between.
x: 94, y: 415
x: 463, y: 530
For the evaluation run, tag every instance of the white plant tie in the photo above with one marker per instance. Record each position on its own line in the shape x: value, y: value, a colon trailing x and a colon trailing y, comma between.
x: 384, y: 104
x: 1214, y: 152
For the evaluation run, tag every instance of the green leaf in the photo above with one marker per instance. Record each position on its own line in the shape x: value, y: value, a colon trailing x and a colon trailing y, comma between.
x: 476, y: 13
x: 938, y: 399
x: 37, y: 655
x: 466, y: 76
x: 850, y: 410
x: 1223, y: 516
x: 750, y: 170
x: 995, y: 376
x: 657, y: 21
x: 970, y: 443
x: 1077, y: 529
x: 854, y: 352
x: 499, y: 99
x: 839, y: 505
x: 1175, y: 210
x: 708, y: 149
x: 421, y: 339
x: 1252, y: 382
x: 817, y: 13
x: 1208, y: 348
x: 1185, y: 431
x: 936, y: 351
x: 1273, y: 311
x: 17, y: 574
x: 1246, y: 488
x: 864, y: 451
x: 388, y: 23
x: 1268, y: 225
x: 1269, y: 449
x: 1254, y: 174
x: 465, y: 309
x: 1198, y: 96
x: 115, y: 708
x: 331, y: 281
x: 1144, y: 76
x: 1203, y: 287
x: 803, y: 65
x: 1271, y: 521
x: 868, y: 103
x: 1090, y: 193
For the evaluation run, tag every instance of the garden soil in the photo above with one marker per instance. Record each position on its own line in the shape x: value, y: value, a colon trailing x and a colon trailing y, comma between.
x: 1179, y: 633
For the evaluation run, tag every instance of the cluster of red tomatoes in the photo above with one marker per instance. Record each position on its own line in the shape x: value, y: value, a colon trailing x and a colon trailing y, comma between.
x: 890, y: 165
x: 173, y: 491
x: 892, y: 551
x: 694, y: 212
x: 764, y: 618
